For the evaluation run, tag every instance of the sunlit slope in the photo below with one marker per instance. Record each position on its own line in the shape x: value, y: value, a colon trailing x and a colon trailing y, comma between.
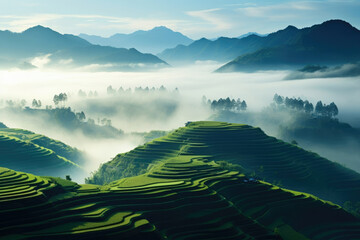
x: 23, y: 190
x: 266, y: 157
x: 184, y: 197
x: 29, y: 152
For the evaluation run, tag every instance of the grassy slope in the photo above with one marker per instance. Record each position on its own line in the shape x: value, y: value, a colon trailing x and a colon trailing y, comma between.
x: 184, y: 197
x: 58, y: 147
x: 267, y: 157
x: 26, y: 151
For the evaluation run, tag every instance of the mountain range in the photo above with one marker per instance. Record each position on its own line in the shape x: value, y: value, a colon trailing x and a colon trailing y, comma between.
x: 153, y: 41
x: 67, y: 51
x: 332, y: 42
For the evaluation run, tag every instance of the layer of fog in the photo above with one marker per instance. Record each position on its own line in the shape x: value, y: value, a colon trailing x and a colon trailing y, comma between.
x: 193, y: 83
x: 346, y: 70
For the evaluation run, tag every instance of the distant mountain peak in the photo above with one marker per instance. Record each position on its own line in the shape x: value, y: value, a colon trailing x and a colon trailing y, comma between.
x: 335, y: 24
x: 250, y: 34
x: 291, y: 27
x: 335, y: 21
x: 153, y: 41
x: 38, y: 28
x: 204, y: 39
x: 161, y: 28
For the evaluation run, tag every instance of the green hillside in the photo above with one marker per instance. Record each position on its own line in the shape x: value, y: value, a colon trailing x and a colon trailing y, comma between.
x: 24, y: 150
x: 245, y: 148
x: 185, y: 197
x: 58, y: 147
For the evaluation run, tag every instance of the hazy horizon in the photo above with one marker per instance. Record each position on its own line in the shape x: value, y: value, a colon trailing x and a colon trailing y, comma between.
x: 195, y: 19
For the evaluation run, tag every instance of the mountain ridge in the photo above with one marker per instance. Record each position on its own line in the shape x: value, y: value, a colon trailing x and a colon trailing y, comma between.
x: 152, y: 41
x: 228, y: 49
x: 331, y: 43
x: 68, y: 51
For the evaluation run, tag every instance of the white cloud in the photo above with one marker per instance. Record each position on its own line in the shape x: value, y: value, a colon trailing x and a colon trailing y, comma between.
x: 20, y: 23
x: 66, y: 61
x: 279, y: 11
x: 215, y: 18
x: 41, y: 61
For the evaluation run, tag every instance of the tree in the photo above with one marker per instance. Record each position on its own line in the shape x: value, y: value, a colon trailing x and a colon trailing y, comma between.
x: 56, y: 99
x: 36, y: 103
x: 120, y: 90
x: 110, y: 90
x: 243, y: 105
x: 319, y: 108
x: 308, y: 107
x: 278, y: 99
x: 81, y: 93
x: 162, y: 88
x: 333, y: 110
x: 10, y: 103
x: 81, y: 116
x: 62, y: 97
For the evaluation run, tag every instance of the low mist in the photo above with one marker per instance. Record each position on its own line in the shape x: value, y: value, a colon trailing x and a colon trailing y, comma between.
x: 346, y: 70
x: 136, y: 111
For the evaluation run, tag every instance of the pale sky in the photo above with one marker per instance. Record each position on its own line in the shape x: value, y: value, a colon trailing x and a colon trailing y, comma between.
x: 194, y: 18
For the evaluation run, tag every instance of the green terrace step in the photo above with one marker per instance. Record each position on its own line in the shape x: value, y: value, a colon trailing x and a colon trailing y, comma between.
x: 19, y: 151
x: 183, y: 197
x: 243, y: 145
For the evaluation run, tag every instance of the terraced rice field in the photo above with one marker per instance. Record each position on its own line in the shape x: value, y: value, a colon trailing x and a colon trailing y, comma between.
x: 266, y: 157
x: 184, y: 197
x: 18, y: 152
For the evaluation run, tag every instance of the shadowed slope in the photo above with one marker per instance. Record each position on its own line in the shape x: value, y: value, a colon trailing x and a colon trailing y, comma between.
x: 26, y: 151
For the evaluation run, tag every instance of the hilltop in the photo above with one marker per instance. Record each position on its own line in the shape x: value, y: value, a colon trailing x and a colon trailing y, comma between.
x: 152, y: 41
x: 67, y: 51
x: 27, y: 151
x: 246, y: 148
